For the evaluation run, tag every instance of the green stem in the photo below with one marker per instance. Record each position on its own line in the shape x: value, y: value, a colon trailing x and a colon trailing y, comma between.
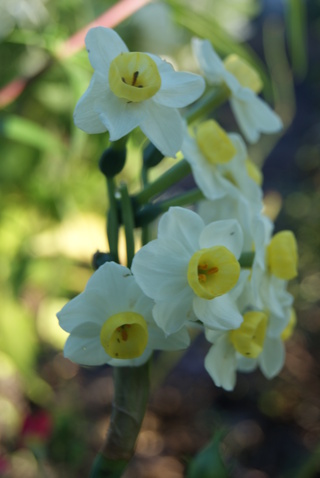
x: 189, y: 197
x: 169, y: 178
x: 210, y: 100
x: 145, y: 231
x: 113, y: 220
x: 128, y: 222
x: 128, y: 409
x: 246, y: 259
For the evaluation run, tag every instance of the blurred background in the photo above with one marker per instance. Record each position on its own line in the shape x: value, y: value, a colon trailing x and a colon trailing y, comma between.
x: 54, y: 415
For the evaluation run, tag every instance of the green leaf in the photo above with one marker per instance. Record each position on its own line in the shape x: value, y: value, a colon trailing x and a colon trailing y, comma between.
x: 208, y: 463
x: 296, y: 19
x: 27, y: 132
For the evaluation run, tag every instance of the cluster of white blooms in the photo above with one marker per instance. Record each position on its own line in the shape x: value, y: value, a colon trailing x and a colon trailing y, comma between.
x: 218, y: 267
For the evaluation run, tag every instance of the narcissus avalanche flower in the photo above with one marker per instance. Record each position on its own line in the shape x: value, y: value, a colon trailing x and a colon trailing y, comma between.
x: 134, y: 89
x: 219, y: 164
x: 111, y: 322
x: 251, y: 221
x: 275, y: 262
x: 253, y: 114
x: 257, y: 342
x: 188, y: 261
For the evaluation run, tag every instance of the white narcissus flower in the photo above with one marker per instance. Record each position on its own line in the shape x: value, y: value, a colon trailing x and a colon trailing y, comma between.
x: 111, y: 322
x: 259, y: 341
x: 188, y: 261
x: 219, y: 164
x: 253, y: 114
x: 253, y: 223
x: 134, y: 89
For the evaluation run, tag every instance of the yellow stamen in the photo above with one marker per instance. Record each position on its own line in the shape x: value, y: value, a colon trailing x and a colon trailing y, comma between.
x: 244, y: 72
x: 124, y: 335
x: 134, y: 77
x: 214, y: 143
x: 248, y: 339
x: 282, y: 255
x: 213, y: 272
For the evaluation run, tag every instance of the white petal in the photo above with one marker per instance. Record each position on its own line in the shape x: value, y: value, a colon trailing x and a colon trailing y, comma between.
x: 267, y: 120
x: 103, y: 45
x: 172, y: 316
x: 272, y: 357
x: 254, y: 116
x: 220, y: 313
x: 116, y: 287
x: 158, y: 340
x: 245, y: 364
x: 85, y: 348
x: 184, y: 226
x: 119, y: 116
x: 206, y: 175
x: 209, y: 62
x: 163, y: 126
x: 220, y: 363
x: 86, y: 117
x: 160, y: 269
x: 132, y: 362
x: 179, y: 89
x: 248, y: 128
x: 83, y: 308
x: 225, y: 233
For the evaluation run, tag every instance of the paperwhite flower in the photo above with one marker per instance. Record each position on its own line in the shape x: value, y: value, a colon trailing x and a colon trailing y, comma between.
x: 237, y: 207
x: 188, y: 261
x: 218, y: 161
x: 111, y: 322
x: 253, y: 115
x: 134, y: 89
x: 258, y: 342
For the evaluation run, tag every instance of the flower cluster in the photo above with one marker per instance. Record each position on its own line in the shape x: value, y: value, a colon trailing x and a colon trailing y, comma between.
x: 217, y: 267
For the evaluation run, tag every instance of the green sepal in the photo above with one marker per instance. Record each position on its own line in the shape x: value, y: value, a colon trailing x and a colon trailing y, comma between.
x: 151, y: 156
x: 208, y: 462
x: 147, y: 214
x: 112, y: 161
x: 106, y: 468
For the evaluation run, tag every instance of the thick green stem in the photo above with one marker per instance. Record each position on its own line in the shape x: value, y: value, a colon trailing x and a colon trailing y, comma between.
x: 246, y: 259
x: 130, y: 400
x: 169, y: 178
x: 113, y: 220
x: 128, y: 221
x: 209, y: 101
x: 185, y: 199
x: 145, y: 230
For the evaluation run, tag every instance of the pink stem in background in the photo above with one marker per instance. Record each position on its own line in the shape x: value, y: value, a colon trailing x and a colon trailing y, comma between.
x: 112, y: 17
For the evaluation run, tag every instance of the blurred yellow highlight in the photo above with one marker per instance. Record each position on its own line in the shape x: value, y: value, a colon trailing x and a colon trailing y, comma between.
x: 245, y: 74
x: 282, y: 255
x: 214, y: 143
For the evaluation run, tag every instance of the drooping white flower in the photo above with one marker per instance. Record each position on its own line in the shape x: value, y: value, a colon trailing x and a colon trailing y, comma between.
x: 253, y: 114
x: 134, y: 89
x: 219, y: 164
x: 258, y: 342
x: 111, y: 322
x: 188, y: 261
